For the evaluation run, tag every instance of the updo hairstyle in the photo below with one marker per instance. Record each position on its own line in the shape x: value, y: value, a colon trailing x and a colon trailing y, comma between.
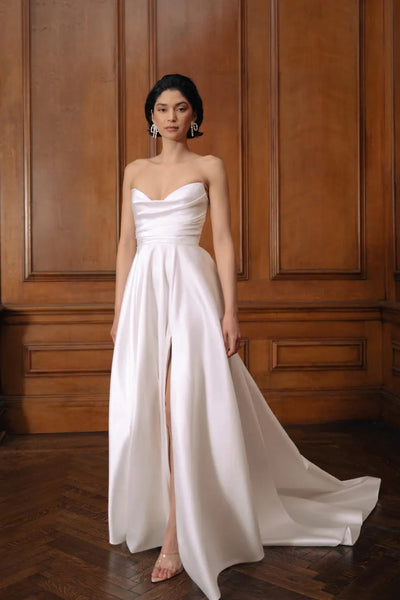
x: 186, y: 87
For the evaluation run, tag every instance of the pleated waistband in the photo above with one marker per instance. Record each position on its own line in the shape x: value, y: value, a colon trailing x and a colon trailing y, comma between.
x: 187, y: 240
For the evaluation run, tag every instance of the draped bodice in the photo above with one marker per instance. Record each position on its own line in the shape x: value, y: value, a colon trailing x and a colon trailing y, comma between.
x: 177, y: 219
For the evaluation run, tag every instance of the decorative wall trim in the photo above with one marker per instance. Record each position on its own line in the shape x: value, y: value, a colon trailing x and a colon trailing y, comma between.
x: 277, y: 273
x: 243, y: 270
x: 391, y: 408
x: 39, y: 359
x: 57, y: 413
x: 153, y: 62
x: 244, y: 351
x: 120, y: 61
x: 354, y: 354
x: 21, y: 314
x: 394, y: 44
x: 29, y: 273
x: 396, y: 358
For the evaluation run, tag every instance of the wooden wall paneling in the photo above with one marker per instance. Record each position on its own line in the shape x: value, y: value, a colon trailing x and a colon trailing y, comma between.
x: 70, y: 110
x: 139, y: 76
x: 213, y: 34
x: 396, y: 139
x: 78, y: 74
x: 391, y: 307
x: 67, y: 190
x: 318, y: 166
x: 316, y: 354
x: 11, y: 139
x: 316, y: 364
x: 391, y: 353
x: 392, y: 65
x: 321, y: 195
x: 55, y: 368
x: 303, y: 354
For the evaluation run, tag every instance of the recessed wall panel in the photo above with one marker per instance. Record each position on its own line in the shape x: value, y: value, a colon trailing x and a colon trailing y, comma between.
x: 317, y: 138
x: 71, y: 148
x: 206, y: 40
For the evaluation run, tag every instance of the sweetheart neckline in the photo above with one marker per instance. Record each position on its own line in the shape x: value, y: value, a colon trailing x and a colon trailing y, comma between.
x: 173, y: 191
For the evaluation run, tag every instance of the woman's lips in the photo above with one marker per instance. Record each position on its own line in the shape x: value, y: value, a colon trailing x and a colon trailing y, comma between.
x: 171, y: 128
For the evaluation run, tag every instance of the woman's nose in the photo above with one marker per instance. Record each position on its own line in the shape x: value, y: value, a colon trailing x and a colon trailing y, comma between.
x: 171, y: 115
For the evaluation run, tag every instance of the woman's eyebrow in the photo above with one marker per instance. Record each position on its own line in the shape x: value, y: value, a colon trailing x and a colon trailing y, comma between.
x: 177, y: 104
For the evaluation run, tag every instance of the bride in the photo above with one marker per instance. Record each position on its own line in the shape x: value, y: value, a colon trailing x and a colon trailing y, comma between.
x: 198, y: 464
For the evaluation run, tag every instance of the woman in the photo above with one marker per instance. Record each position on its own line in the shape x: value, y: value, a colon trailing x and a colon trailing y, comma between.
x: 199, y: 465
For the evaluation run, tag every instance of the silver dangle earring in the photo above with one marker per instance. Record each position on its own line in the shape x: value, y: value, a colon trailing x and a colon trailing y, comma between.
x: 193, y: 127
x: 154, y: 130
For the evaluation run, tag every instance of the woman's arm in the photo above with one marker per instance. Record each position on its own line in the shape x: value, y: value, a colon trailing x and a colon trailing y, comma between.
x: 224, y: 251
x: 126, y: 246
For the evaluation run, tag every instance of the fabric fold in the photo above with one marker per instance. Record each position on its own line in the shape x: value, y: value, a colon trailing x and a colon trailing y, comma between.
x: 240, y: 481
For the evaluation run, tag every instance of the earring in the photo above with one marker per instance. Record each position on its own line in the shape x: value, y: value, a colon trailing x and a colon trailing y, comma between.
x: 193, y: 127
x: 154, y: 130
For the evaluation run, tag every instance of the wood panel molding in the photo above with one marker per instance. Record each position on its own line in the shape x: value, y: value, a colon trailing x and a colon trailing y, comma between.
x: 390, y: 312
x: 58, y: 314
x: 391, y: 408
x: 318, y: 354
x: 63, y: 413
x: 277, y: 271
x: 325, y: 405
x: 21, y: 314
x: 30, y: 273
x: 244, y: 350
x: 65, y: 359
x: 226, y: 120
x: 395, y: 33
x: 314, y: 80
x: 243, y: 269
x: 396, y: 358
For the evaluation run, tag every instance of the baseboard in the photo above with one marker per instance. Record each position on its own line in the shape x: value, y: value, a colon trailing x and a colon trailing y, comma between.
x: 391, y: 409
x: 60, y: 414
x: 325, y: 405
x: 55, y: 414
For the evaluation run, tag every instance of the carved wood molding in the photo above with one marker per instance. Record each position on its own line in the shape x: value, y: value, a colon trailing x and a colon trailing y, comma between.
x: 69, y: 413
x: 19, y: 314
x: 244, y: 350
x: 29, y: 272
x: 396, y: 358
x: 394, y: 42
x: 277, y: 272
x: 65, y: 359
x: 290, y: 354
x: 243, y: 270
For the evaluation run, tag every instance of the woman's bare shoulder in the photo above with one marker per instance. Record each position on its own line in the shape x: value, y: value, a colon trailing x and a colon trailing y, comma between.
x: 213, y: 167
x: 210, y: 159
x: 132, y: 168
x: 136, y: 164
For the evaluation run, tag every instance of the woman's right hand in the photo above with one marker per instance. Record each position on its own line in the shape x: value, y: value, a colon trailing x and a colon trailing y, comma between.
x: 114, y: 328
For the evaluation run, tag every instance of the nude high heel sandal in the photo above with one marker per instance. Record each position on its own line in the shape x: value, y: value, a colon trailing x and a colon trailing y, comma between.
x: 164, y: 555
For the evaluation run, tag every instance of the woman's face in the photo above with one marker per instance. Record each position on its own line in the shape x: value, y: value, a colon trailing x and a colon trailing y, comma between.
x: 172, y: 114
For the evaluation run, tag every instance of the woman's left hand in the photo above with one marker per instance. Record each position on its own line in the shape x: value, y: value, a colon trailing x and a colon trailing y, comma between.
x: 231, y: 333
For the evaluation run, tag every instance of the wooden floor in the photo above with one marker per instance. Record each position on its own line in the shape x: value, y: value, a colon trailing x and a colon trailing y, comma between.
x: 54, y: 544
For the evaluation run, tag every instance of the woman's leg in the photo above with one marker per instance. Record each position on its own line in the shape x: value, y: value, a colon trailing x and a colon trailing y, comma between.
x: 170, y: 564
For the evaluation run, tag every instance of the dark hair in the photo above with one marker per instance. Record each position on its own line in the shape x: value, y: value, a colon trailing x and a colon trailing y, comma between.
x: 187, y: 88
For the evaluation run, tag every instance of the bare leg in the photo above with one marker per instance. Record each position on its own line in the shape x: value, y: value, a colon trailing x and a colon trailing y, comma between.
x: 170, y: 564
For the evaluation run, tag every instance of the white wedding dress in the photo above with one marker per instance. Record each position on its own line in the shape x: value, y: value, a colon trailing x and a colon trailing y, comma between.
x: 240, y: 482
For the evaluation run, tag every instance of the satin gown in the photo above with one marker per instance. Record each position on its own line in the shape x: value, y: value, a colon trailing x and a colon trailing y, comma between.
x: 240, y: 482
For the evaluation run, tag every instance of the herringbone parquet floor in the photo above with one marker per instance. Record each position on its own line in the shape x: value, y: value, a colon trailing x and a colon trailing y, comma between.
x: 54, y: 544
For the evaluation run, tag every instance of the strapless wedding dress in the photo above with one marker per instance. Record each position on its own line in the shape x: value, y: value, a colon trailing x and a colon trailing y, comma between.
x: 240, y: 482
